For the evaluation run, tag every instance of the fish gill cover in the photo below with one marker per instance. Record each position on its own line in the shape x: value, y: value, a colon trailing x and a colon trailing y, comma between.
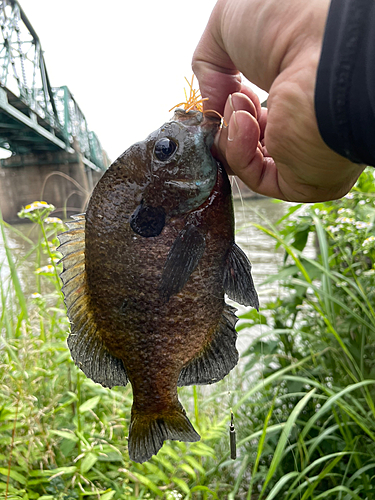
x: 145, y: 273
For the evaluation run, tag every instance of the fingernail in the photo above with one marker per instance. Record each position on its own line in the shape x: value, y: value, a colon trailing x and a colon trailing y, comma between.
x: 231, y: 103
x: 232, y: 127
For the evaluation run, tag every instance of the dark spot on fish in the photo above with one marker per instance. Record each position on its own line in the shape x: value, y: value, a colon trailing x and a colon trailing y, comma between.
x: 164, y: 148
x: 148, y: 221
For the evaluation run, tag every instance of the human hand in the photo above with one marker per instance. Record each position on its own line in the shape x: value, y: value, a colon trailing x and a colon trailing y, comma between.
x: 276, y: 45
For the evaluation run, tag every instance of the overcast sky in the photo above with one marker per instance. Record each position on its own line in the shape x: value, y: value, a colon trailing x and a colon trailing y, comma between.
x: 124, y: 61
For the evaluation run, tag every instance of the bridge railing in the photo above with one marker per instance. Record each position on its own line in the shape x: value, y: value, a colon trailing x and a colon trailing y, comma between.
x: 75, y: 127
x: 23, y: 74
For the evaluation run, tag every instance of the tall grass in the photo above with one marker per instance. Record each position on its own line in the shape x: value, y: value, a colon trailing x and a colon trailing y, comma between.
x: 302, y: 396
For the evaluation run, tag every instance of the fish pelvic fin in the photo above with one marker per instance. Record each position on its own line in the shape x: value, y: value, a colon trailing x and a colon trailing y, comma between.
x: 218, y: 357
x: 147, y: 432
x: 84, y: 341
x: 238, y: 282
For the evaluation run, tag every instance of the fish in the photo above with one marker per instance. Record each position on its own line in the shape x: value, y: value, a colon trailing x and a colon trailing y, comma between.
x: 145, y: 273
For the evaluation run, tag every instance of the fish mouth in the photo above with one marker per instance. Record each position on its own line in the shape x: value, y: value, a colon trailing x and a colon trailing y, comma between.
x: 188, y: 184
x: 191, y: 117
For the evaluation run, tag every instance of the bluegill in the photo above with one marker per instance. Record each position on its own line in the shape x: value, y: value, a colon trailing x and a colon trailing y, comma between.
x: 144, y: 275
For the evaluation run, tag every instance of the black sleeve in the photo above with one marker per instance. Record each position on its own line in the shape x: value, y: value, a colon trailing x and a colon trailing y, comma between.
x: 345, y: 86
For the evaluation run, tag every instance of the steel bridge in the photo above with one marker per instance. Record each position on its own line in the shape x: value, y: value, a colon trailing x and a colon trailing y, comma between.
x: 34, y: 116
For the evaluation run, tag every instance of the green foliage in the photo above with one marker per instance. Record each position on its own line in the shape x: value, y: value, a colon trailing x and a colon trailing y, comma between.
x: 302, y: 395
x: 319, y: 351
x: 61, y: 435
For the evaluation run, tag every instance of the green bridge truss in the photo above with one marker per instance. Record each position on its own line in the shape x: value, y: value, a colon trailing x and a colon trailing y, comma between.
x: 34, y: 116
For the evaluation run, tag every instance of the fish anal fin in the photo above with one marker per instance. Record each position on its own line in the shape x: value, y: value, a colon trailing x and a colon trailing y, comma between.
x: 238, y: 282
x: 182, y: 260
x: 84, y: 341
x: 218, y: 358
x: 147, y: 432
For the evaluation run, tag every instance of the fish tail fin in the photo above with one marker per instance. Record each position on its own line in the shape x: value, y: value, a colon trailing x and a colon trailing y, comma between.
x: 148, y: 432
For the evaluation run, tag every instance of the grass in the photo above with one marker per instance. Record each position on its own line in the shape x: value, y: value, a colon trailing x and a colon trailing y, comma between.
x: 302, y: 396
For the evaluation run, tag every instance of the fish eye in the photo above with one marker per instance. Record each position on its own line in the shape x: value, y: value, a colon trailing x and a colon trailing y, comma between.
x: 164, y: 148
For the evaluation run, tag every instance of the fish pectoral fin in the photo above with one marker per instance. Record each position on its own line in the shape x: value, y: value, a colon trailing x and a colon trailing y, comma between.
x: 238, y: 282
x: 183, y: 258
x: 217, y: 358
x: 148, y: 432
x: 84, y: 341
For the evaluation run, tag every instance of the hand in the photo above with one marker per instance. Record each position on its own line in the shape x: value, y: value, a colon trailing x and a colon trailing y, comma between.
x: 276, y: 45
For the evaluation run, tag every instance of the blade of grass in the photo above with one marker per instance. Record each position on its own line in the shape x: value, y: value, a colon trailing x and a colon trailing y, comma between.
x: 13, y: 272
x: 260, y: 448
x: 284, y: 438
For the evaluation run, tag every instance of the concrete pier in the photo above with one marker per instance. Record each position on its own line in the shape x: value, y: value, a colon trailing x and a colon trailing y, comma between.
x: 60, y: 178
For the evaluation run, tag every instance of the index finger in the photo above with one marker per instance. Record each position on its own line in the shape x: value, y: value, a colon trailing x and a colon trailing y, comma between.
x: 217, y: 75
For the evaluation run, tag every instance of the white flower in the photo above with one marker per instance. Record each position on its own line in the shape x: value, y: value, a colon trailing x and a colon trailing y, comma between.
x: 35, y: 295
x: 54, y: 259
x: 345, y: 220
x: 368, y: 240
x: 349, y: 196
x: 45, y: 269
x: 37, y: 205
x: 363, y: 225
x: 362, y: 202
x: 53, y: 220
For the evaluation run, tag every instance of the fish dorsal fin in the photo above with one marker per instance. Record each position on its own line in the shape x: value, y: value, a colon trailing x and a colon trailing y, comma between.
x: 218, y: 358
x: 84, y: 341
x: 238, y: 282
x: 182, y: 260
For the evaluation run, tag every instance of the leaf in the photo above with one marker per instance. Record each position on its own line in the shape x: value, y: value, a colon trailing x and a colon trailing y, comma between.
x: 202, y: 449
x: 284, y: 437
x: 154, y: 469
x: 147, y: 482
x: 13, y: 474
x: 300, y: 239
x: 88, y: 461
x: 189, y: 470
x: 181, y: 484
x: 64, y: 434
x: 89, y: 404
x: 279, y: 485
x: 52, y: 472
x: 195, y: 464
x: 108, y: 495
x: 207, y: 490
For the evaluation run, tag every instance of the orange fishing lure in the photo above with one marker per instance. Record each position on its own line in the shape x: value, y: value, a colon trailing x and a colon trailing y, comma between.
x: 195, y: 101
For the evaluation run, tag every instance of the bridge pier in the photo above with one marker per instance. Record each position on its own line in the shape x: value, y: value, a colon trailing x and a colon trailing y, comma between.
x: 57, y: 177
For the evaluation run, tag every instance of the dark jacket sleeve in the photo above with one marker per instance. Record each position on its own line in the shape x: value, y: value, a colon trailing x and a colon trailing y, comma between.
x: 345, y: 86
